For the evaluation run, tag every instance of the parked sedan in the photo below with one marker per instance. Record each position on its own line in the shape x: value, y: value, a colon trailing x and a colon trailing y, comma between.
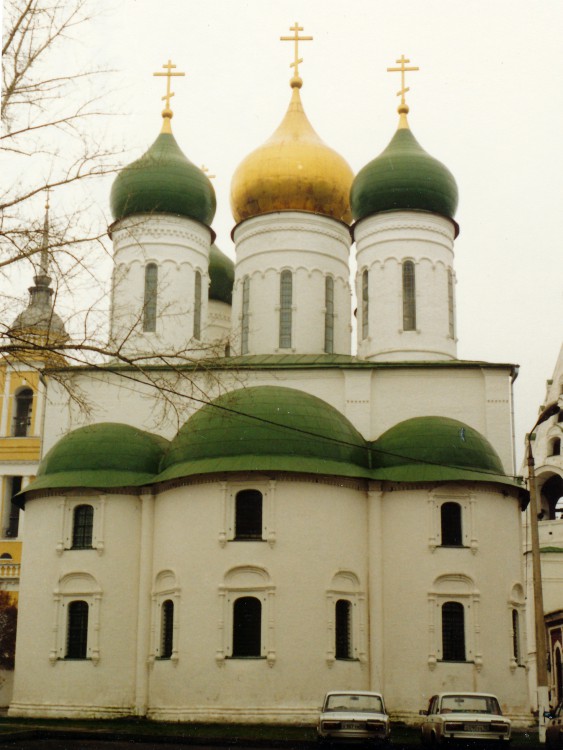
x: 464, y: 716
x: 554, y: 729
x: 353, y: 716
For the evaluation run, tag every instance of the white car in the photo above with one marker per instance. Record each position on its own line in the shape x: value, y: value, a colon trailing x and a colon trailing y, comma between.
x: 353, y: 716
x: 464, y: 716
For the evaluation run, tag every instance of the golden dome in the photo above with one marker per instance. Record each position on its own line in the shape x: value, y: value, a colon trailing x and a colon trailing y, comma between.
x: 293, y: 171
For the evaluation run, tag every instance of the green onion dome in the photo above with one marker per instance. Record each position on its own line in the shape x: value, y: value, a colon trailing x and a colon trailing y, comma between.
x: 404, y: 177
x: 266, y: 428
x: 221, y: 276
x: 425, y: 449
x: 101, y: 455
x: 163, y: 180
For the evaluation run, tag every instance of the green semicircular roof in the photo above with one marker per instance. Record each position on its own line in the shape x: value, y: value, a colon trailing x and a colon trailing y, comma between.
x: 221, y: 276
x: 163, y: 180
x: 107, y: 454
x: 266, y: 428
x: 425, y: 449
x: 404, y: 177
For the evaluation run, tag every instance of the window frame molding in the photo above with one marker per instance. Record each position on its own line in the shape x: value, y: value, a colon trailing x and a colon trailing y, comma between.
x: 66, y: 523
x: 459, y: 588
x: 229, y: 490
x: 517, y: 603
x: 246, y: 581
x: 76, y: 586
x: 345, y: 585
x: 467, y: 502
x: 165, y: 587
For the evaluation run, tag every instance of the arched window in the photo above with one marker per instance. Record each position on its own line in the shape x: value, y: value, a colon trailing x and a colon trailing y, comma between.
x: 555, y: 447
x: 453, y: 632
x: 451, y: 314
x: 329, y: 315
x: 450, y: 517
x: 149, y: 304
x: 77, y: 630
x: 82, y: 527
x: 248, y: 515
x: 286, y: 301
x: 245, y: 319
x: 516, y: 649
x: 558, y: 675
x: 167, y: 629
x: 409, y: 298
x: 197, y: 306
x: 365, y: 304
x: 22, y: 417
x: 5, y: 556
x: 343, y: 629
x: 247, y: 627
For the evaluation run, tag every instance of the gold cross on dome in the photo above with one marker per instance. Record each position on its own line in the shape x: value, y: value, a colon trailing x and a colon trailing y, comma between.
x: 402, y: 61
x: 296, y: 39
x: 169, y: 94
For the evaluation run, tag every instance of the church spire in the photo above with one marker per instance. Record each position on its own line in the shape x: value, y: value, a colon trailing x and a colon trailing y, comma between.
x: 39, y: 320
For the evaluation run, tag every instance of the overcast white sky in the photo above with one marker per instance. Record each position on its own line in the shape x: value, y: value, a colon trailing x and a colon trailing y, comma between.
x: 488, y: 102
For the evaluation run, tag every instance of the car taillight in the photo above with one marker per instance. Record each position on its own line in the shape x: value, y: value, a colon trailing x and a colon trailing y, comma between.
x: 499, y: 726
x: 375, y: 724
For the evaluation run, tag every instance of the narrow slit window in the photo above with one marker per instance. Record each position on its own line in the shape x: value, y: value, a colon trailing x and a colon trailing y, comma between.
x: 12, y: 529
x: 329, y: 315
x: 286, y: 301
x: 247, y: 627
x: 409, y: 297
x: 197, y: 306
x: 365, y: 304
x: 167, y: 629
x: 77, y: 630
x: 245, y: 323
x: 451, y: 310
x: 149, y: 306
x: 453, y: 632
x: 516, y: 637
x: 343, y: 629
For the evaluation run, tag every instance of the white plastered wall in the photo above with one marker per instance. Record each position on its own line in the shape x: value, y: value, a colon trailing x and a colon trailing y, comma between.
x: 311, y: 247
x: 179, y: 247
x: 383, y: 242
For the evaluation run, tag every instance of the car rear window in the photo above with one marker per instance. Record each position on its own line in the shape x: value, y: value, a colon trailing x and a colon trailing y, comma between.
x: 362, y: 703
x: 473, y: 704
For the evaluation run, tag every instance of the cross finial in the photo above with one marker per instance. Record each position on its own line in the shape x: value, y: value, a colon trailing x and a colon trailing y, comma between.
x: 402, y: 62
x: 167, y: 113
x: 296, y: 81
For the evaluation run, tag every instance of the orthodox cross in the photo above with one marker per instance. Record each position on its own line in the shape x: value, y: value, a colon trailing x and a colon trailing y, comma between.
x: 296, y: 39
x: 402, y: 61
x: 169, y: 94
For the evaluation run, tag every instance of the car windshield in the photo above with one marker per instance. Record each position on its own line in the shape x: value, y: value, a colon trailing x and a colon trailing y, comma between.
x: 363, y: 703
x: 470, y: 704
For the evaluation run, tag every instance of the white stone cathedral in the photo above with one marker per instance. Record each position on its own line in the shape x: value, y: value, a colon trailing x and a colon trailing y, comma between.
x: 321, y: 519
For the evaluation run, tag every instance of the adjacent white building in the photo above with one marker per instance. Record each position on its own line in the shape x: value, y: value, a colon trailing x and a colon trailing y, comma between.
x: 319, y: 520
